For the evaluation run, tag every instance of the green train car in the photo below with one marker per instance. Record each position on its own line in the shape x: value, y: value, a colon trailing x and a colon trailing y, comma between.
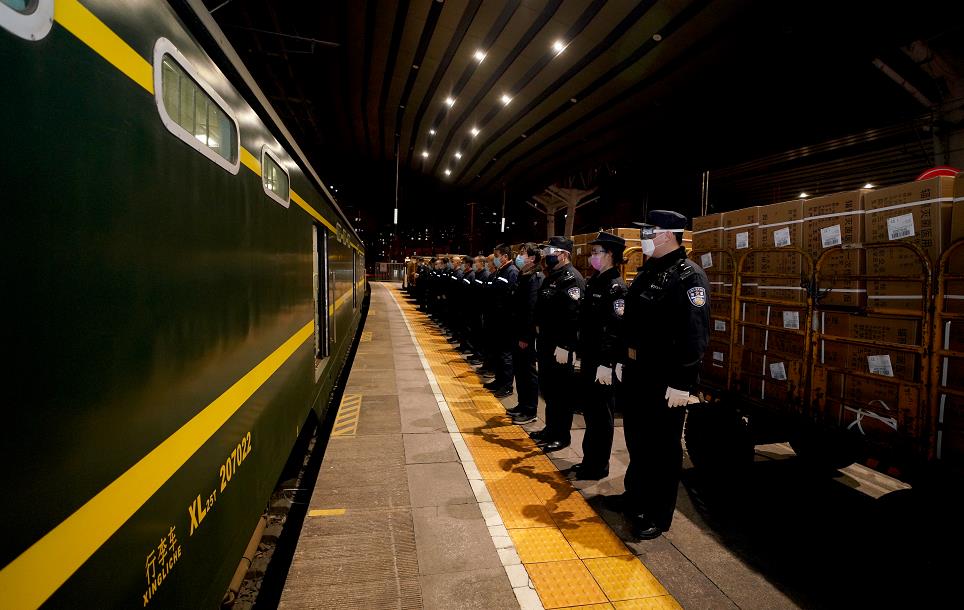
x: 180, y: 292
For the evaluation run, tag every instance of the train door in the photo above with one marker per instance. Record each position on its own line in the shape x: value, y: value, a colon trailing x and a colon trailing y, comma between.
x: 321, y: 295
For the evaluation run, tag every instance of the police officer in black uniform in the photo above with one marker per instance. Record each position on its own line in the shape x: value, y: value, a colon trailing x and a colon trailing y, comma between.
x: 463, y: 318
x: 557, y: 320
x: 667, y: 328
x: 503, y: 288
x: 528, y: 260
x: 601, y: 348
x: 476, y: 309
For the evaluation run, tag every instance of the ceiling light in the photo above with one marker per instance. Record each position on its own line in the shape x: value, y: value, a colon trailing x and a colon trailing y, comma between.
x: 448, y: 172
x: 450, y: 101
x: 474, y: 131
x: 657, y: 37
x: 558, y: 46
x: 425, y: 154
x: 506, y: 99
x: 479, y: 55
x: 458, y: 155
x: 803, y: 195
x: 431, y: 132
x: 868, y: 186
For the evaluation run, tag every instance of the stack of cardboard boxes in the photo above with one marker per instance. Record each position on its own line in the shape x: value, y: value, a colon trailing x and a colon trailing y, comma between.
x: 771, y: 339
x: 708, y: 246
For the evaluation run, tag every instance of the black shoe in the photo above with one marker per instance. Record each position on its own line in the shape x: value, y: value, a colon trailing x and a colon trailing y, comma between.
x: 554, y: 446
x: 644, y: 529
x: 538, y: 435
x: 491, y: 385
x: 503, y: 392
x: 523, y: 418
x: 486, y: 372
x: 474, y: 361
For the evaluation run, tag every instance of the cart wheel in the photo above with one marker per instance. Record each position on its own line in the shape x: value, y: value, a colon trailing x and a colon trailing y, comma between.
x: 718, y: 439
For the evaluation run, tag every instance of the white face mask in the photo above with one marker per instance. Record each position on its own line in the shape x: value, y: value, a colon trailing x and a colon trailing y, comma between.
x: 648, y: 247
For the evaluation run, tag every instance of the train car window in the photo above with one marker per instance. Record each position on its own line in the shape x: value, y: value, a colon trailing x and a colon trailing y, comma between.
x: 192, y: 110
x: 28, y: 19
x: 274, y: 178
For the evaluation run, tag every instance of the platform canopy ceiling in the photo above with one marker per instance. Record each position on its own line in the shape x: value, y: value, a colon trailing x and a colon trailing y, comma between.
x: 479, y: 94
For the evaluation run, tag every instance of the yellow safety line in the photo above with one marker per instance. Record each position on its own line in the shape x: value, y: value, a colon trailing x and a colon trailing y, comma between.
x: 573, y: 558
x: 93, y: 32
x: 31, y: 578
x: 326, y: 512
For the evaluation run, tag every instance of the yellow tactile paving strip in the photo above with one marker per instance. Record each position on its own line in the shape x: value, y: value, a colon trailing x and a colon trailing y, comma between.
x: 573, y: 558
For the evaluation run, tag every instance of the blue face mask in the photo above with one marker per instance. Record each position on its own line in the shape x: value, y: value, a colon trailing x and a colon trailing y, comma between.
x: 520, y: 261
x: 497, y: 261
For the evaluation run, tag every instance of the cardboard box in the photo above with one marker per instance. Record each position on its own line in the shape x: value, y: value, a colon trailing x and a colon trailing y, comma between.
x: 708, y: 232
x: 772, y: 341
x: 895, y: 295
x: 781, y: 292
x: 840, y: 280
x: 740, y: 229
x: 833, y: 220
x: 918, y: 212
x: 903, y: 331
x: 775, y: 316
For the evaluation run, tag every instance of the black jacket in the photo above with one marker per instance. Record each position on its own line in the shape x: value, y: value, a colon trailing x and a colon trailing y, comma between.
x: 601, y: 334
x: 668, y: 305
x: 557, y: 309
x: 524, y: 306
x: 503, y: 285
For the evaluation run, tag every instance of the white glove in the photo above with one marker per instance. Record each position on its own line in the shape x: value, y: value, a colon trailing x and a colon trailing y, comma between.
x: 562, y: 355
x: 677, y: 398
x: 604, y: 375
x: 619, y: 371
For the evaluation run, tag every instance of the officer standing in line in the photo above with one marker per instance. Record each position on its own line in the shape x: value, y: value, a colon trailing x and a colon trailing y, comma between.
x: 463, y: 316
x: 524, y: 333
x: 601, y: 349
x: 476, y: 305
x: 489, y: 321
x: 667, y: 326
x: 503, y: 287
x: 557, y: 320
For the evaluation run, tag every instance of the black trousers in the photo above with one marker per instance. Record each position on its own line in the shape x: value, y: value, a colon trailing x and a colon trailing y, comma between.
x: 556, y: 382
x: 502, y: 358
x: 526, y: 377
x: 653, y: 437
x: 597, y: 404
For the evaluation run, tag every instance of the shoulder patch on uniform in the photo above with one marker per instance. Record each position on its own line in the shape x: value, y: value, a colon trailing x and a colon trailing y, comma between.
x: 619, y: 307
x: 697, y: 296
x: 574, y: 293
x: 685, y: 269
x: 617, y: 287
